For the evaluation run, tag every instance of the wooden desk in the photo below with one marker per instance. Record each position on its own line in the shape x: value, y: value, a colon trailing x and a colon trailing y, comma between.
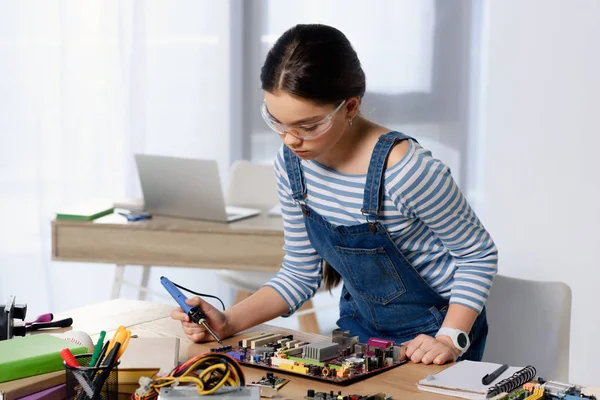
x: 251, y: 244
x: 254, y: 244
x: 152, y: 320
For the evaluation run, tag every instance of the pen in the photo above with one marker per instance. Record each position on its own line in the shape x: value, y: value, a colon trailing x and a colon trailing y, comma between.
x: 489, y: 378
x: 132, y: 217
x: 97, y: 349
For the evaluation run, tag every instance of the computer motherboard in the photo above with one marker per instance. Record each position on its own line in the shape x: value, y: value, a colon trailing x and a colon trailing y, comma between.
x: 342, y: 361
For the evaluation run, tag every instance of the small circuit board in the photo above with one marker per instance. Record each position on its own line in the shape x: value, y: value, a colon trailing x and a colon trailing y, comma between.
x: 547, y: 390
x: 312, y: 395
x: 269, y: 384
x: 342, y: 361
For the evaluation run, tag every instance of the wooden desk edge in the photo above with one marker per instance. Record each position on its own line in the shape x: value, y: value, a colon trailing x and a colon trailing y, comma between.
x: 172, y: 225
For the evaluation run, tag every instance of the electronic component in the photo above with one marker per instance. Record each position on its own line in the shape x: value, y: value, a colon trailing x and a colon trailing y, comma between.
x: 263, y: 351
x: 220, y: 349
x: 292, y: 344
x: 296, y: 351
x: 380, y: 343
x: 542, y: 389
x: 246, y: 342
x: 205, y: 374
x: 553, y: 388
x: 320, y: 351
x: 347, y: 343
x: 397, y: 353
x: 254, y: 344
x: 324, y: 361
x: 224, y: 393
x: 236, y: 356
x: 312, y: 395
x: 8, y: 313
x: 269, y: 384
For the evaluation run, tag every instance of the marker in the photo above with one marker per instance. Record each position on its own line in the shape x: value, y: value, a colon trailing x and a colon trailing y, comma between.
x: 489, y: 378
x: 97, y: 349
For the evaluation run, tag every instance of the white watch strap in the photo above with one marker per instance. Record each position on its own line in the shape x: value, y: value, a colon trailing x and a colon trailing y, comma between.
x: 452, y: 333
x: 447, y: 331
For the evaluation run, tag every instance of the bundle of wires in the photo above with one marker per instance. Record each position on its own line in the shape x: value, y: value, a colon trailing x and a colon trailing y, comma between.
x: 208, y: 372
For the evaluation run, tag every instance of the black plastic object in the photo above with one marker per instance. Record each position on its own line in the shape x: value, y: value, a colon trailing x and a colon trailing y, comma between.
x: 61, y: 323
x: 8, y: 313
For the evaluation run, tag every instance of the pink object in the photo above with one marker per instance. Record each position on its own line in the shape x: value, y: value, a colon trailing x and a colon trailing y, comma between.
x: 42, y: 318
x: 380, y: 343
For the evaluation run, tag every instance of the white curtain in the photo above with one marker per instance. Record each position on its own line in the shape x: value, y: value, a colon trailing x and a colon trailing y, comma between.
x: 84, y: 86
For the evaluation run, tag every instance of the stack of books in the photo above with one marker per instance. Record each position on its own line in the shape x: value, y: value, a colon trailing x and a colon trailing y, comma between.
x: 31, y: 367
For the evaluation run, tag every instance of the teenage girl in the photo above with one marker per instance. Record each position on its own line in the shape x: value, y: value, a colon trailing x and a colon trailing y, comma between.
x: 365, y: 206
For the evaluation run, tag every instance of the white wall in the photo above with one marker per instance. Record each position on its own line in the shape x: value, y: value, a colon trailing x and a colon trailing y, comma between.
x: 541, y: 183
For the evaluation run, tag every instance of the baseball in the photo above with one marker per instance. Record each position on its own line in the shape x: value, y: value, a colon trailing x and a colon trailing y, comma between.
x: 78, y: 337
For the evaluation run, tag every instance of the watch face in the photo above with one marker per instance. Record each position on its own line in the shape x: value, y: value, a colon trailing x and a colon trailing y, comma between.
x: 462, y: 340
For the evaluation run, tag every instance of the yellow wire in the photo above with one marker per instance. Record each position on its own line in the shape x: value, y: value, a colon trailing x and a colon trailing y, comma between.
x: 200, y: 381
x: 217, y: 386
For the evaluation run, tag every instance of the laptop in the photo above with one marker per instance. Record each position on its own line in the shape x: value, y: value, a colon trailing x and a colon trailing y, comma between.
x: 186, y: 188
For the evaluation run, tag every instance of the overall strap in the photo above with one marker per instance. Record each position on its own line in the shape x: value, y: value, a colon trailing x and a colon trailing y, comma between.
x: 295, y: 175
x: 373, y: 197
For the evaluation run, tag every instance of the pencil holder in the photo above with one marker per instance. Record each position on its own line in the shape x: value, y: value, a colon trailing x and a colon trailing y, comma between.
x: 91, y: 383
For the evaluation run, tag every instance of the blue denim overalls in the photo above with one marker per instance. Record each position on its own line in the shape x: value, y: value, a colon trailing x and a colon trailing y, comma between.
x: 383, y: 295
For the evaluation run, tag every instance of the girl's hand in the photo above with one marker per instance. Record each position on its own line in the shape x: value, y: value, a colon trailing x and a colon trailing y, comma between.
x: 426, y: 349
x: 214, y: 318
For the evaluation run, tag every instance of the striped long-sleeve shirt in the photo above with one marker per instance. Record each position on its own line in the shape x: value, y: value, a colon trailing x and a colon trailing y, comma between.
x: 424, y: 211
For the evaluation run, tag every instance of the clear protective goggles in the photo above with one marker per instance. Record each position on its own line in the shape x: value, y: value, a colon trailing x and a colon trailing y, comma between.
x: 305, y: 132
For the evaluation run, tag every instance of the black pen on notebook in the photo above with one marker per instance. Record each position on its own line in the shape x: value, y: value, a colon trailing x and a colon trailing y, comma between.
x: 491, y: 377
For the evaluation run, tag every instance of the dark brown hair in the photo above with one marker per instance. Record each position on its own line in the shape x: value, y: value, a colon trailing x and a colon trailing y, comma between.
x: 315, y: 62
x: 331, y: 278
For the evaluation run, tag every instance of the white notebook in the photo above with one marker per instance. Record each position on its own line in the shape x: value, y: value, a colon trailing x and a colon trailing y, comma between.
x: 463, y: 379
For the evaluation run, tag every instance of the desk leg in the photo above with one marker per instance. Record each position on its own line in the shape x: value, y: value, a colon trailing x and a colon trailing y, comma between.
x: 241, y: 295
x: 143, y: 289
x: 118, y: 281
x: 308, y: 318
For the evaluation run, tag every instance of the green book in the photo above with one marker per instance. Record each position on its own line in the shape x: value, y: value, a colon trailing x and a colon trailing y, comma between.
x: 88, y: 211
x: 21, y: 357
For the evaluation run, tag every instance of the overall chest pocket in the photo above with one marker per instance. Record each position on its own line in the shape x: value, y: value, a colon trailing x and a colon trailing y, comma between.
x: 371, y: 273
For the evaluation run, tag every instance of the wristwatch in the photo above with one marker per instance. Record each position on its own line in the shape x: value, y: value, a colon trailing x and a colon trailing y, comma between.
x: 459, y: 338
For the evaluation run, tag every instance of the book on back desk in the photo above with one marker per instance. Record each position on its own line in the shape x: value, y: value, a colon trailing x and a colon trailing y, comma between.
x: 87, y: 211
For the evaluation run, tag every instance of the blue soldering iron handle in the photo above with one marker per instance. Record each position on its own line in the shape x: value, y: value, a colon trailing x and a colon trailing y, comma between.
x: 176, y: 294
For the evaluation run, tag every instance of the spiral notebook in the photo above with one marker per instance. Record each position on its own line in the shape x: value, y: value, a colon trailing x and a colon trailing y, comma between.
x: 463, y: 379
